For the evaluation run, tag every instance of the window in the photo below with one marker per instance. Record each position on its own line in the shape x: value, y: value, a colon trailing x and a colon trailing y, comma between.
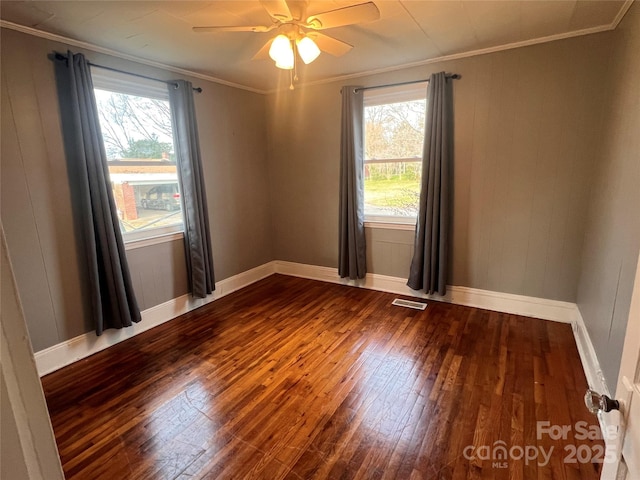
x: 393, y: 141
x: 135, y: 119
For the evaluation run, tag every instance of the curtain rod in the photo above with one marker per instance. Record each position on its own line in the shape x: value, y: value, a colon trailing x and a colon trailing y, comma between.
x: 455, y: 76
x: 60, y: 56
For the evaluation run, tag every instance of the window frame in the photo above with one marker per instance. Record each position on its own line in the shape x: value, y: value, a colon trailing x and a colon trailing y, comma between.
x: 117, y: 82
x: 385, y: 96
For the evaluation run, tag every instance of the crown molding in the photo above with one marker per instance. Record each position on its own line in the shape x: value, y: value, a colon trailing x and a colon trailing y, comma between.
x: 621, y: 13
x: 114, y: 53
x: 471, y: 53
x: 339, y: 78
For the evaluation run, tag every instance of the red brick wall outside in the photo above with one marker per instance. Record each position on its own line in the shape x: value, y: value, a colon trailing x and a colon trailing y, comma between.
x: 125, y: 201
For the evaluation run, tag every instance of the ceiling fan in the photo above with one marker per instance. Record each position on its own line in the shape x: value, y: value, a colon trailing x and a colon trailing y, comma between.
x: 299, y: 33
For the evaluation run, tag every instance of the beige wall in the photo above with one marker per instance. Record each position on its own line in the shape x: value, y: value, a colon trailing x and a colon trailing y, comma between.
x: 526, y: 127
x: 612, y: 238
x: 156, y: 281
x: 389, y: 252
x: 36, y: 198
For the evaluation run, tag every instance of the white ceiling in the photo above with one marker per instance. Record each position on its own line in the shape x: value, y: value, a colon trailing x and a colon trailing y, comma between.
x: 407, y: 32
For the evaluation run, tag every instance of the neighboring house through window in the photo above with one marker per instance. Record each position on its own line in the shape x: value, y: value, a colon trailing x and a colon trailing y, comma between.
x: 393, y: 140
x: 135, y: 119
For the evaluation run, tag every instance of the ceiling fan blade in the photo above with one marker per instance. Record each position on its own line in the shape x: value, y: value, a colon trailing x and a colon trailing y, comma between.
x: 278, y: 9
x: 330, y: 45
x: 263, y: 53
x: 364, y: 12
x: 242, y: 28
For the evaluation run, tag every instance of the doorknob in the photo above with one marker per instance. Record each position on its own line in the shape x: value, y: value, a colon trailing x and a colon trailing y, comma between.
x: 596, y: 402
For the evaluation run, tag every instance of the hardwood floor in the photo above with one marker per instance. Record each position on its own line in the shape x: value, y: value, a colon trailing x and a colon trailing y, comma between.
x: 298, y: 379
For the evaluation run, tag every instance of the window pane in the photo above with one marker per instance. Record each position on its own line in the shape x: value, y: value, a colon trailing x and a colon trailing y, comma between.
x: 394, y: 136
x: 141, y: 160
x: 392, y: 189
x: 394, y: 130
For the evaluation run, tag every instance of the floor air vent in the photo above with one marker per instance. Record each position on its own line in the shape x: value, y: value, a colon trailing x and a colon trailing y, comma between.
x: 399, y: 302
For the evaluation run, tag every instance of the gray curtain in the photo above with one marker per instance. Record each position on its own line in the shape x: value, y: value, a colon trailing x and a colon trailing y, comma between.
x: 429, y: 264
x: 352, y: 258
x: 112, y: 298
x: 196, y: 215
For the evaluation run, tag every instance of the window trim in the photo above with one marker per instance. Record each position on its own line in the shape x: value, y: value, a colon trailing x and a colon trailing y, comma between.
x: 155, y: 240
x: 395, y: 94
x: 154, y: 232
x: 106, y: 79
x: 396, y: 223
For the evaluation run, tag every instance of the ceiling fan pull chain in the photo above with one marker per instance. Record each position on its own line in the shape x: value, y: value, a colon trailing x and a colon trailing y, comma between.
x: 293, y: 73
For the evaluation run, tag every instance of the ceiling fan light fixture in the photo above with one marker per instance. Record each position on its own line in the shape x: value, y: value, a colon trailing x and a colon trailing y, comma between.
x: 286, y: 64
x: 281, y: 52
x: 307, y: 49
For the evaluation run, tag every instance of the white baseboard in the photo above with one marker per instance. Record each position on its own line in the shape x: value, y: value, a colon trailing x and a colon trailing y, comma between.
x: 609, y: 422
x: 502, y: 302
x: 80, y: 347
x: 65, y: 353
x: 590, y: 363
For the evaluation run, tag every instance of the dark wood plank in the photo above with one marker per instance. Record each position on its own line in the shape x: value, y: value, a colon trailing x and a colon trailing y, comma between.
x: 299, y: 379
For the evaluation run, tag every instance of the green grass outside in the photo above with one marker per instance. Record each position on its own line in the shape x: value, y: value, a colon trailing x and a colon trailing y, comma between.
x: 394, y: 192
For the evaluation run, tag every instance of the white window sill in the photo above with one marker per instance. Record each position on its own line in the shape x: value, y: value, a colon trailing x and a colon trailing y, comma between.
x: 147, y: 242
x: 390, y: 225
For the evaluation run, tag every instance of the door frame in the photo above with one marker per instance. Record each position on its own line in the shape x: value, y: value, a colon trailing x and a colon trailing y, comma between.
x: 628, y: 374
